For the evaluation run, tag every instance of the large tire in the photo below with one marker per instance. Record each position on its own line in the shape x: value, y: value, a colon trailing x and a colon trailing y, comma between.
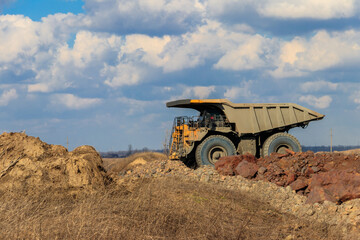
x: 212, y: 148
x: 279, y: 142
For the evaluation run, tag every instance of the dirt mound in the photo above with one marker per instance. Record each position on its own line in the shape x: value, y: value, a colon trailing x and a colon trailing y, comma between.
x: 344, y: 217
x: 323, y: 176
x: 26, y: 162
x: 119, y: 165
x: 351, y: 151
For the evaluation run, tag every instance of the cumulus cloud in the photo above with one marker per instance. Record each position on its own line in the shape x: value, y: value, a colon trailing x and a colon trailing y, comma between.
x: 317, y: 102
x: 7, y: 96
x: 320, y: 9
x: 137, y: 16
x: 121, y: 75
x: 355, y: 97
x: 200, y: 92
x: 73, y: 102
x: 246, y: 56
x: 323, y: 51
x: 19, y: 37
x: 90, y: 48
x: 316, y: 86
x: 242, y: 92
x: 80, y: 65
x: 213, y: 41
x: 149, y: 49
x: 134, y: 106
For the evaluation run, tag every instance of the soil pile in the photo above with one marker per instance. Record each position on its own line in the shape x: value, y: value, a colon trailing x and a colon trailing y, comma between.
x: 121, y: 165
x: 26, y: 162
x: 333, y: 177
x: 345, y: 217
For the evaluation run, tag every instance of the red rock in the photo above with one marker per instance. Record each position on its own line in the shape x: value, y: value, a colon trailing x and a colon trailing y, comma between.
x: 290, y: 178
x: 343, y: 185
x: 226, y: 165
x: 289, y: 151
x: 309, y: 171
x: 246, y: 169
x: 284, y: 163
x: 319, y: 195
x: 299, y: 184
x: 280, y: 183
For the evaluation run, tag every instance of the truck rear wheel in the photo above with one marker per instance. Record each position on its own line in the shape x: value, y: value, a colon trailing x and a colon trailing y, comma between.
x: 279, y: 142
x: 212, y: 149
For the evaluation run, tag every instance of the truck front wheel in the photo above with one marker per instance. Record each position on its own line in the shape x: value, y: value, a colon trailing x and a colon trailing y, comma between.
x: 212, y: 149
x: 279, y: 142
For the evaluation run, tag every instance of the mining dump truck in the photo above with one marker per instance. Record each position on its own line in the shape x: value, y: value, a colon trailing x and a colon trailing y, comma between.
x: 224, y: 128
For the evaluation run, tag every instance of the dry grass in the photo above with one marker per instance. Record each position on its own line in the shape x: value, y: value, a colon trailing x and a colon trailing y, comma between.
x: 117, y: 165
x: 149, y: 209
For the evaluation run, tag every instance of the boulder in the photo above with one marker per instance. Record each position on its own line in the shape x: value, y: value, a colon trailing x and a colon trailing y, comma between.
x: 298, y: 184
x: 341, y: 185
x: 246, y: 169
x: 226, y: 165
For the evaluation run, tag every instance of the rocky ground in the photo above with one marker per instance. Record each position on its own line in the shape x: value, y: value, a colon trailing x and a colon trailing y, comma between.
x: 271, y: 189
x: 333, y: 177
x: 345, y: 216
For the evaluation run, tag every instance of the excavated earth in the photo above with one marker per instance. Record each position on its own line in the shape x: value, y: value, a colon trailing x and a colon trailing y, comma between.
x: 320, y: 187
x: 273, y: 186
x: 321, y: 177
x: 27, y: 163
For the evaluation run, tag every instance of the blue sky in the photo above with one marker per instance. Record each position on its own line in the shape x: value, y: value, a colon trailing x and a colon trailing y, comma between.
x: 100, y: 71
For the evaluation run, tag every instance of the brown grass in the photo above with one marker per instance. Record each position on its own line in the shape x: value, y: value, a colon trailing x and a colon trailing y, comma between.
x: 149, y: 209
x: 117, y: 165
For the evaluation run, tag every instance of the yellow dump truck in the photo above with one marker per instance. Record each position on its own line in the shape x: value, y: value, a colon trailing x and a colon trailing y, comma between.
x: 224, y: 128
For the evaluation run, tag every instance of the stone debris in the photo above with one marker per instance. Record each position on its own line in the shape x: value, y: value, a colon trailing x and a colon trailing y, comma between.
x: 346, y: 216
x: 322, y: 187
x: 321, y: 177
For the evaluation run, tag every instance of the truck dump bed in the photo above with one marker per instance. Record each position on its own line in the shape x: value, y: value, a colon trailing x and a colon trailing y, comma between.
x: 253, y: 118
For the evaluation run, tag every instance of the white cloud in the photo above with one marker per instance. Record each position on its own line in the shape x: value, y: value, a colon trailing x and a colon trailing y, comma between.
x: 324, y: 50
x: 319, y: 86
x: 200, y: 92
x: 38, y: 87
x: 143, y: 16
x: 71, y: 101
x: 89, y: 48
x: 210, y: 42
x: 79, y: 66
x: 150, y: 48
x: 135, y: 106
x: 318, y: 102
x: 355, y: 97
x: 19, y: 36
x: 7, y: 96
x: 319, y: 9
x: 316, y: 9
x: 243, y: 92
x: 121, y: 75
x: 247, y: 56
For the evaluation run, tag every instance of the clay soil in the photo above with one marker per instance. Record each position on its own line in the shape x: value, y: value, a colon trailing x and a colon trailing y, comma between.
x: 47, y: 192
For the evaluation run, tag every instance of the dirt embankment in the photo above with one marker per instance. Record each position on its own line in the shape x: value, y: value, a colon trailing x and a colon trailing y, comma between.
x: 27, y: 163
x: 152, y: 197
x: 344, y: 217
